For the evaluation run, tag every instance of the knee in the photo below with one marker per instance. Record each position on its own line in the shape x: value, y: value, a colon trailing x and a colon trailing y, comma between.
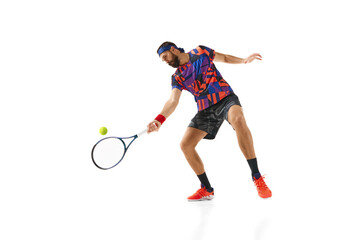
x: 186, y: 145
x: 238, y: 121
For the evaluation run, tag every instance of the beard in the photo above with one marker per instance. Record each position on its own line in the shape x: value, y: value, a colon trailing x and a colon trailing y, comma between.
x: 175, y: 63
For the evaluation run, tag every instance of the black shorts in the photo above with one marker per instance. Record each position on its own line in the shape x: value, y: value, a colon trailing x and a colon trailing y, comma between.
x: 210, y: 119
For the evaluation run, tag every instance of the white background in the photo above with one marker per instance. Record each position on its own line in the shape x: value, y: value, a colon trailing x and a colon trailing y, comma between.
x: 69, y: 67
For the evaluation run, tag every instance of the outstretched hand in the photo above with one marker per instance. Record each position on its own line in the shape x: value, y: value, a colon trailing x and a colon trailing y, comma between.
x: 153, y: 126
x: 252, y: 57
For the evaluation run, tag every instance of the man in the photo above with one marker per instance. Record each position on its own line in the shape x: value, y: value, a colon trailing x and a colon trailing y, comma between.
x: 216, y: 101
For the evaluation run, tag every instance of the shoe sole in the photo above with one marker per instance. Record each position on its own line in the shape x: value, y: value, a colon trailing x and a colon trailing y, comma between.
x: 208, y: 198
x: 266, y: 197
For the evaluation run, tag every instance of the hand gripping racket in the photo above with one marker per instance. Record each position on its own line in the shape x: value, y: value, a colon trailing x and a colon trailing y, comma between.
x: 110, y: 151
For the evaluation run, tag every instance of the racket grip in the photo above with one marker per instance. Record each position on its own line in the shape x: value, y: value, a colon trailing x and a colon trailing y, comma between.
x: 142, y: 132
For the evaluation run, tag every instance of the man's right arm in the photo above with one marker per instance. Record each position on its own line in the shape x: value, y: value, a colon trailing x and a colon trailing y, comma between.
x: 167, y: 110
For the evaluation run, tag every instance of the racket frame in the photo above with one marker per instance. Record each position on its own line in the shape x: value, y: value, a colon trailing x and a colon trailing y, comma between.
x: 125, y: 147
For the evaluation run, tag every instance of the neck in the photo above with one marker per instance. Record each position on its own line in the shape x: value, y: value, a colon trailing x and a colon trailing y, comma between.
x: 184, y: 58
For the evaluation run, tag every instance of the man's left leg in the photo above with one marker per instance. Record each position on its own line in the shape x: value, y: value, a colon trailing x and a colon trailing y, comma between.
x: 237, y: 120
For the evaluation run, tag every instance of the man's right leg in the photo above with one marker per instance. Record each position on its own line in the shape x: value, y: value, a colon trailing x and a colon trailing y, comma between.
x: 190, y: 140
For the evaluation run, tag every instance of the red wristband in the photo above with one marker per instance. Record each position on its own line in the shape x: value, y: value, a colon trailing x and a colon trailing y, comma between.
x: 160, y: 118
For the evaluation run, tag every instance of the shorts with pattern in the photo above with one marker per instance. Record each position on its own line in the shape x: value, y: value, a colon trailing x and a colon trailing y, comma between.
x: 210, y: 119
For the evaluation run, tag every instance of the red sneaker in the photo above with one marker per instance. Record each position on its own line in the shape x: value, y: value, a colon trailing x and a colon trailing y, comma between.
x: 262, y: 188
x: 202, y: 194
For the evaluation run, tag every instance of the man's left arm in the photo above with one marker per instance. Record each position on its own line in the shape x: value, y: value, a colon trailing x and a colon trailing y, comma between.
x: 220, y: 57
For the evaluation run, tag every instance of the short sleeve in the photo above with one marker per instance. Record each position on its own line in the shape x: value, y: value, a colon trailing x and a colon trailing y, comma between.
x: 208, y: 51
x: 175, y: 83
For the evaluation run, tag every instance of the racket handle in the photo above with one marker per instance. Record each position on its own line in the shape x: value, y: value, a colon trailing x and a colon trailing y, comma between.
x: 142, y: 132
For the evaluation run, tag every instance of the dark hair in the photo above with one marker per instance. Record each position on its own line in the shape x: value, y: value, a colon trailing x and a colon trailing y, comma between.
x: 166, y: 44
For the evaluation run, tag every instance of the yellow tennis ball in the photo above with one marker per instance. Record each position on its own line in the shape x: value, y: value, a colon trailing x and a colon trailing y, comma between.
x: 103, y: 130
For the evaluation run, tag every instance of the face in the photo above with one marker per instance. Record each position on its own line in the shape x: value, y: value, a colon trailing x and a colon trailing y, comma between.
x: 170, y: 59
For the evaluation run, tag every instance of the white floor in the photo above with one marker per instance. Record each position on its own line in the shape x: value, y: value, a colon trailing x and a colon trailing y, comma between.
x: 145, y: 198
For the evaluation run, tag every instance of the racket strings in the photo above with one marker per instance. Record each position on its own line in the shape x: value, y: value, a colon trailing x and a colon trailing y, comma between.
x: 108, y: 152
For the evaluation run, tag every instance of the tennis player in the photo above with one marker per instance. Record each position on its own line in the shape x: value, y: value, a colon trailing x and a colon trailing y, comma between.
x: 216, y: 102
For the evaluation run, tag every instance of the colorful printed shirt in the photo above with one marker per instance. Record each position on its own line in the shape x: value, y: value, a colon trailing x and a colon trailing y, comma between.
x: 201, y: 78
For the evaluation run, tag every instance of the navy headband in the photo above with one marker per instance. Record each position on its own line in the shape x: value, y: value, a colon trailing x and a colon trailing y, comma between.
x: 167, y: 48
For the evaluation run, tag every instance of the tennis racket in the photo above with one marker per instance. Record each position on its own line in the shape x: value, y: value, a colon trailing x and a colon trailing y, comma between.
x: 110, y: 151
